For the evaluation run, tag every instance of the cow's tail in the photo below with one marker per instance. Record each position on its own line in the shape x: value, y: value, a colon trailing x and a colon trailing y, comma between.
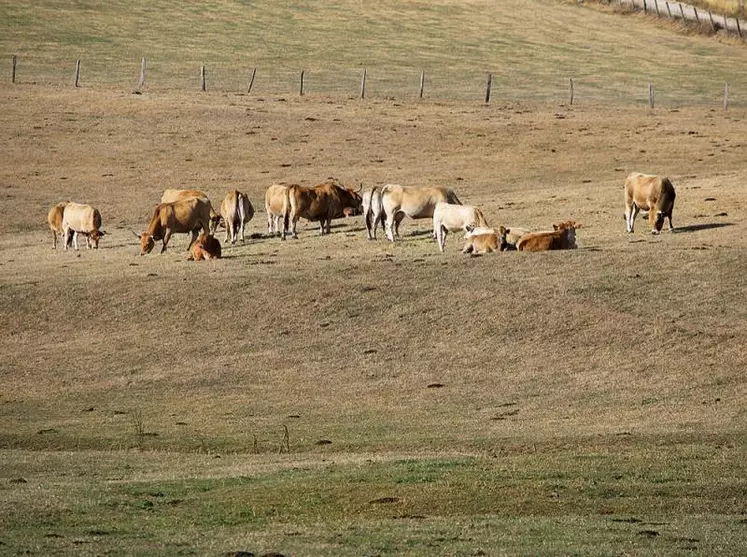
x: 288, y: 203
x: 480, y: 218
x: 452, y: 198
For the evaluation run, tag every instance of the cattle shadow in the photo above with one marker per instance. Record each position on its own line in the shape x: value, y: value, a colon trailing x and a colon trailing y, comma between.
x: 699, y: 227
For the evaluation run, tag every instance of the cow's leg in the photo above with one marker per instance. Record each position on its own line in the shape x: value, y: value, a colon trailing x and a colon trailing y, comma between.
x: 398, y: 218
x: 653, y: 219
x: 65, y: 233
x: 329, y: 225
x: 294, y: 222
x: 229, y: 231
x: 75, y: 240
x: 368, y: 226
x: 54, y: 239
x: 389, y: 228
x: 631, y: 215
x: 440, y: 237
x: 241, y: 230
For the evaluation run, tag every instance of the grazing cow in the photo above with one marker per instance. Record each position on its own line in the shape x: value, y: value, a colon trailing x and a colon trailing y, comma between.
x: 562, y: 237
x: 450, y: 218
x: 236, y: 210
x: 372, y: 212
x: 321, y: 203
x: 206, y: 247
x: 54, y: 218
x: 171, y: 195
x: 82, y: 219
x: 276, y: 200
x: 412, y: 201
x: 654, y: 194
x: 183, y: 216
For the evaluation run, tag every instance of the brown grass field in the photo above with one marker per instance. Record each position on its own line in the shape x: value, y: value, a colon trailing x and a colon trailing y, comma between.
x: 338, y: 396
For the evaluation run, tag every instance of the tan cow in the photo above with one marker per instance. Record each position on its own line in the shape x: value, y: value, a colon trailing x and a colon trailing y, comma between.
x: 412, y: 201
x: 372, y: 212
x: 654, y: 194
x: 54, y: 218
x: 276, y: 205
x: 184, y: 216
x: 562, y: 237
x: 322, y: 203
x: 448, y: 217
x: 171, y: 195
x: 236, y: 210
x: 478, y: 244
x: 486, y: 240
x: 206, y: 247
x: 82, y: 219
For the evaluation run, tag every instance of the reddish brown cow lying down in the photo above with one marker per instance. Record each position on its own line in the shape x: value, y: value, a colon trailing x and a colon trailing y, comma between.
x: 563, y: 237
x: 206, y: 247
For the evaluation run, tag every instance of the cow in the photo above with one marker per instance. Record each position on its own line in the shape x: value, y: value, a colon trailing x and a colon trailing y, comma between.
x: 206, y: 247
x: 82, y: 219
x: 562, y: 237
x: 171, y: 195
x: 54, y: 218
x: 183, y: 216
x: 477, y: 244
x: 654, y: 194
x: 448, y: 217
x: 276, y: 200
x: 486, y: 240
x: 322, y: 203
x: 236, y: 210
x: 372, y: 212
x: 412, y: 201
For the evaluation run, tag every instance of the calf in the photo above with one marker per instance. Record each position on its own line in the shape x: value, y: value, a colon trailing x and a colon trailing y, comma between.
x: 448, y: 217
x: 206, y: 247
x: 562, y: 237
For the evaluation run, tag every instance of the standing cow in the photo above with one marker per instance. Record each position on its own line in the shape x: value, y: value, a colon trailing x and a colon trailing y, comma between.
x: 184, y: 216
x: 412, y: 201
x: 54, y: 219
x: 236, y: 210
x: 654, y: 194
x: 78, y: 218
x: 372, y: 212
x: 320, y: 203
x: 450, y: 218
x: 171, y: 195
x: 276, y: 205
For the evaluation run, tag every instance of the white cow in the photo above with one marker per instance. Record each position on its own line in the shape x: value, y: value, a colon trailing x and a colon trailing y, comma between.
x: 235, y: 210
x: 448, y: 217
x: 412, y: 201
x: 372, y: 212
x: 82, y: 219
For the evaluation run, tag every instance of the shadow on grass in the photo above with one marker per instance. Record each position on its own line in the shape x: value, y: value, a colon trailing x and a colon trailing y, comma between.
x: 699, y: 227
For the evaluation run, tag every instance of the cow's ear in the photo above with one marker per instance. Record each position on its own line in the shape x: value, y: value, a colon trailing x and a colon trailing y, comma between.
x: 555, y: 227
x: 135, y: 233
x: 103, y: 232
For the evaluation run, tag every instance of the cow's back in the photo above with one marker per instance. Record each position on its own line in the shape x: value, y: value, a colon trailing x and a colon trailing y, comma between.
x: 80, y: 217
x: 54, y: 217
x: 275, y: 198
x: 171, y: 195
x: 229, y: 206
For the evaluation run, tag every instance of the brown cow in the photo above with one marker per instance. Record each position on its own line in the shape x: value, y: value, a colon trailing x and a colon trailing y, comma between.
x: 654, y: 194
x: 206, y: 247
x: 184, y: 216
x: 563, y: 237
x: 82, y: 219
x: 54, y: 218
x: 171, y: 195
x: 236, y: 210
x: 477, y: 244
x: 321, y: 203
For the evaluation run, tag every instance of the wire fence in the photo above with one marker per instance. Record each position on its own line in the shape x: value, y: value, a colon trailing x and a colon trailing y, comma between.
x: 403, y: 84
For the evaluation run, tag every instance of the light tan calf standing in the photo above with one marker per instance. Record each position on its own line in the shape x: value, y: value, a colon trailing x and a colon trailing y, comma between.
x: 448, y: 217
x: 654, y: 194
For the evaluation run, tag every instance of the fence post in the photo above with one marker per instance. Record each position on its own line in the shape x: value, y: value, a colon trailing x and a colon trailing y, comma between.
x: 422, y: 83
x: 682, y: 11
x: 656, y: 5
x: 650, y: 95
x: 203, y: 79
x: 301, y: 89
x: 13, y: 73
x: 77, y: 73
x: 697, y: 19
x: 570, y: 93
x: 363, y: 84
x: 726, y: 96
x: 739, y: 29
x: 488, y: 86
x: 645, y: 8
x: 251, y: 80
x: 141, y: 81
x: 710, y: 16
x: 669, y: 11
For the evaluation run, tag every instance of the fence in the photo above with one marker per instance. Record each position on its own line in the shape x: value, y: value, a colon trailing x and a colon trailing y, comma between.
x: 686, y: 13
x: 374, y: 83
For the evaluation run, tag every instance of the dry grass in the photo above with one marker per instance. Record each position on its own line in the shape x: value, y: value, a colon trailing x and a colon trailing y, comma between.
x: 549, y: 404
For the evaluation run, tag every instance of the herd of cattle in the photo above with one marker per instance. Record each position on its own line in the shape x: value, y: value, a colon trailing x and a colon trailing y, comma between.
x: 190, y: 211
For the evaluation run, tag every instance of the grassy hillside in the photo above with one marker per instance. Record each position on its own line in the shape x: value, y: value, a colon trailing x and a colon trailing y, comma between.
x: 532, y: 48
x: 336, y: 396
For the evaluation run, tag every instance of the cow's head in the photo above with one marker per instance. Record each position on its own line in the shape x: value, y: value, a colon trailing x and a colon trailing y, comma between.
x: 355, y: 205
x: 569, y: 227
x: 147, y: 242
x: 659, y: 222
x: 95, y: 237
x: 215, y: 221
x: 503, y: 244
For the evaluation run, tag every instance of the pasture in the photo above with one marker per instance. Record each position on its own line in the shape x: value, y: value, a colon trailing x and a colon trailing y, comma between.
x: 337, y: 396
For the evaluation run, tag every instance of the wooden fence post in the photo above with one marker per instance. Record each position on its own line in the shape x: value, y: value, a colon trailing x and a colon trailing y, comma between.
x: 656, y: 5
x: 488, y: 86
x: 570, y: 93
x: 251, y: 80
x: 141, y: 81
x: 650, y: 95
x: 669, y: 10
x: 726, y: 96
x: 363, y: 84
x: 422, y: 83
x: 739, y: 29
x: 645, y: 8
x: 710, y: 16
x: 303, y: 72
x: 682, y: 11
x: 77, y: 73
x: 203, y: 79
x: 13, y: 73
x: 697, y: 19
